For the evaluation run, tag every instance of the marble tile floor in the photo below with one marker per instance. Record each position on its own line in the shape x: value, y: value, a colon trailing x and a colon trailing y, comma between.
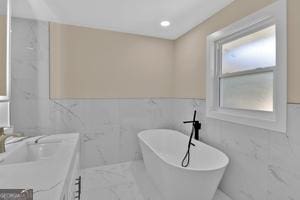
x: 124, y: 181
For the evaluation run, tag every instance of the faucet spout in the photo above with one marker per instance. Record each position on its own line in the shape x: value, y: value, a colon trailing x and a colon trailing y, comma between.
x: 1, y: 131
x: 3, y: 138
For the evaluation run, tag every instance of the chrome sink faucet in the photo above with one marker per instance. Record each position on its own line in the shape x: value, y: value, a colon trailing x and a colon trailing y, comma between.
x: 41, y: 137
x: 3, y: 137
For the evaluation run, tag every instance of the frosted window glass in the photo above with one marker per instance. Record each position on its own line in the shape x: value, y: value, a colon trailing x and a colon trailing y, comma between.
x: 251, y: 92
x: 256, y: 50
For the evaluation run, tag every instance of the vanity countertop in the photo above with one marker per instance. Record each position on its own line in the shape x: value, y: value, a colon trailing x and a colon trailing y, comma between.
x: 47, y: 177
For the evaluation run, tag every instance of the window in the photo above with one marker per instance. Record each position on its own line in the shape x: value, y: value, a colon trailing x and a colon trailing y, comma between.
x: 247, y: 66
x: 246, y: 70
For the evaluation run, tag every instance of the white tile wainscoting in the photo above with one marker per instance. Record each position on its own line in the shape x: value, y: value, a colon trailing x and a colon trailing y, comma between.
x: 264, y: 165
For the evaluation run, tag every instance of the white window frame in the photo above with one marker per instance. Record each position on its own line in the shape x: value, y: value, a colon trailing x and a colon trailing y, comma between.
x: 275, y: 13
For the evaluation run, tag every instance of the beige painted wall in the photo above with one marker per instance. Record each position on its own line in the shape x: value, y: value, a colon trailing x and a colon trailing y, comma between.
x: 2, y: 56
x: 91, y: 63
x: 190, y: 49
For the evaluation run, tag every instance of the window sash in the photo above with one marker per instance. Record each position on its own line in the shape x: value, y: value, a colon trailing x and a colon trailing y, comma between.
x: 247, y: 31
x: 260, y: 71
x: 245, y: 73
x: 237, y: 35
x: 248, y: 72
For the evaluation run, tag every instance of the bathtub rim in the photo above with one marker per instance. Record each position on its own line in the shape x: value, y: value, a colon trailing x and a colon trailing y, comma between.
x: 179, y: 166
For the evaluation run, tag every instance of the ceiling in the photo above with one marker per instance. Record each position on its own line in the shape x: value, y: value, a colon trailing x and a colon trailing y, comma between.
x: 141, y: 17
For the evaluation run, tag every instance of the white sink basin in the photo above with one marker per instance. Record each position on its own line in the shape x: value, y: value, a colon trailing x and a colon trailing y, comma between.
x: 31, y: 152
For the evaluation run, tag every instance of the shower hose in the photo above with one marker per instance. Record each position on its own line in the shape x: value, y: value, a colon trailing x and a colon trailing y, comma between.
x: 186, y: 159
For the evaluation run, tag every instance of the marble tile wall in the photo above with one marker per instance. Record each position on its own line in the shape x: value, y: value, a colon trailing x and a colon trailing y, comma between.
x: 264, y: 165
x: 108, y: 127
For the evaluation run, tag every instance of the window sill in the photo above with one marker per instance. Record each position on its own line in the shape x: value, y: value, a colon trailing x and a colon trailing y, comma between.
x: 259, y: 119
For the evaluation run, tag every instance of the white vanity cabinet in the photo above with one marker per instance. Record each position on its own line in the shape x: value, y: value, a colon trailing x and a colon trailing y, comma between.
x: 50, y: 167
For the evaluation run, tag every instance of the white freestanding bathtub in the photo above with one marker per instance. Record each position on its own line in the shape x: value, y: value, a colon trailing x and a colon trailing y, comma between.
x: 163, y: 151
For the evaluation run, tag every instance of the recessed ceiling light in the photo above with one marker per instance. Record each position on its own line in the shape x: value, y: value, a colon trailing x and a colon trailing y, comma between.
x: 165, y: 23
